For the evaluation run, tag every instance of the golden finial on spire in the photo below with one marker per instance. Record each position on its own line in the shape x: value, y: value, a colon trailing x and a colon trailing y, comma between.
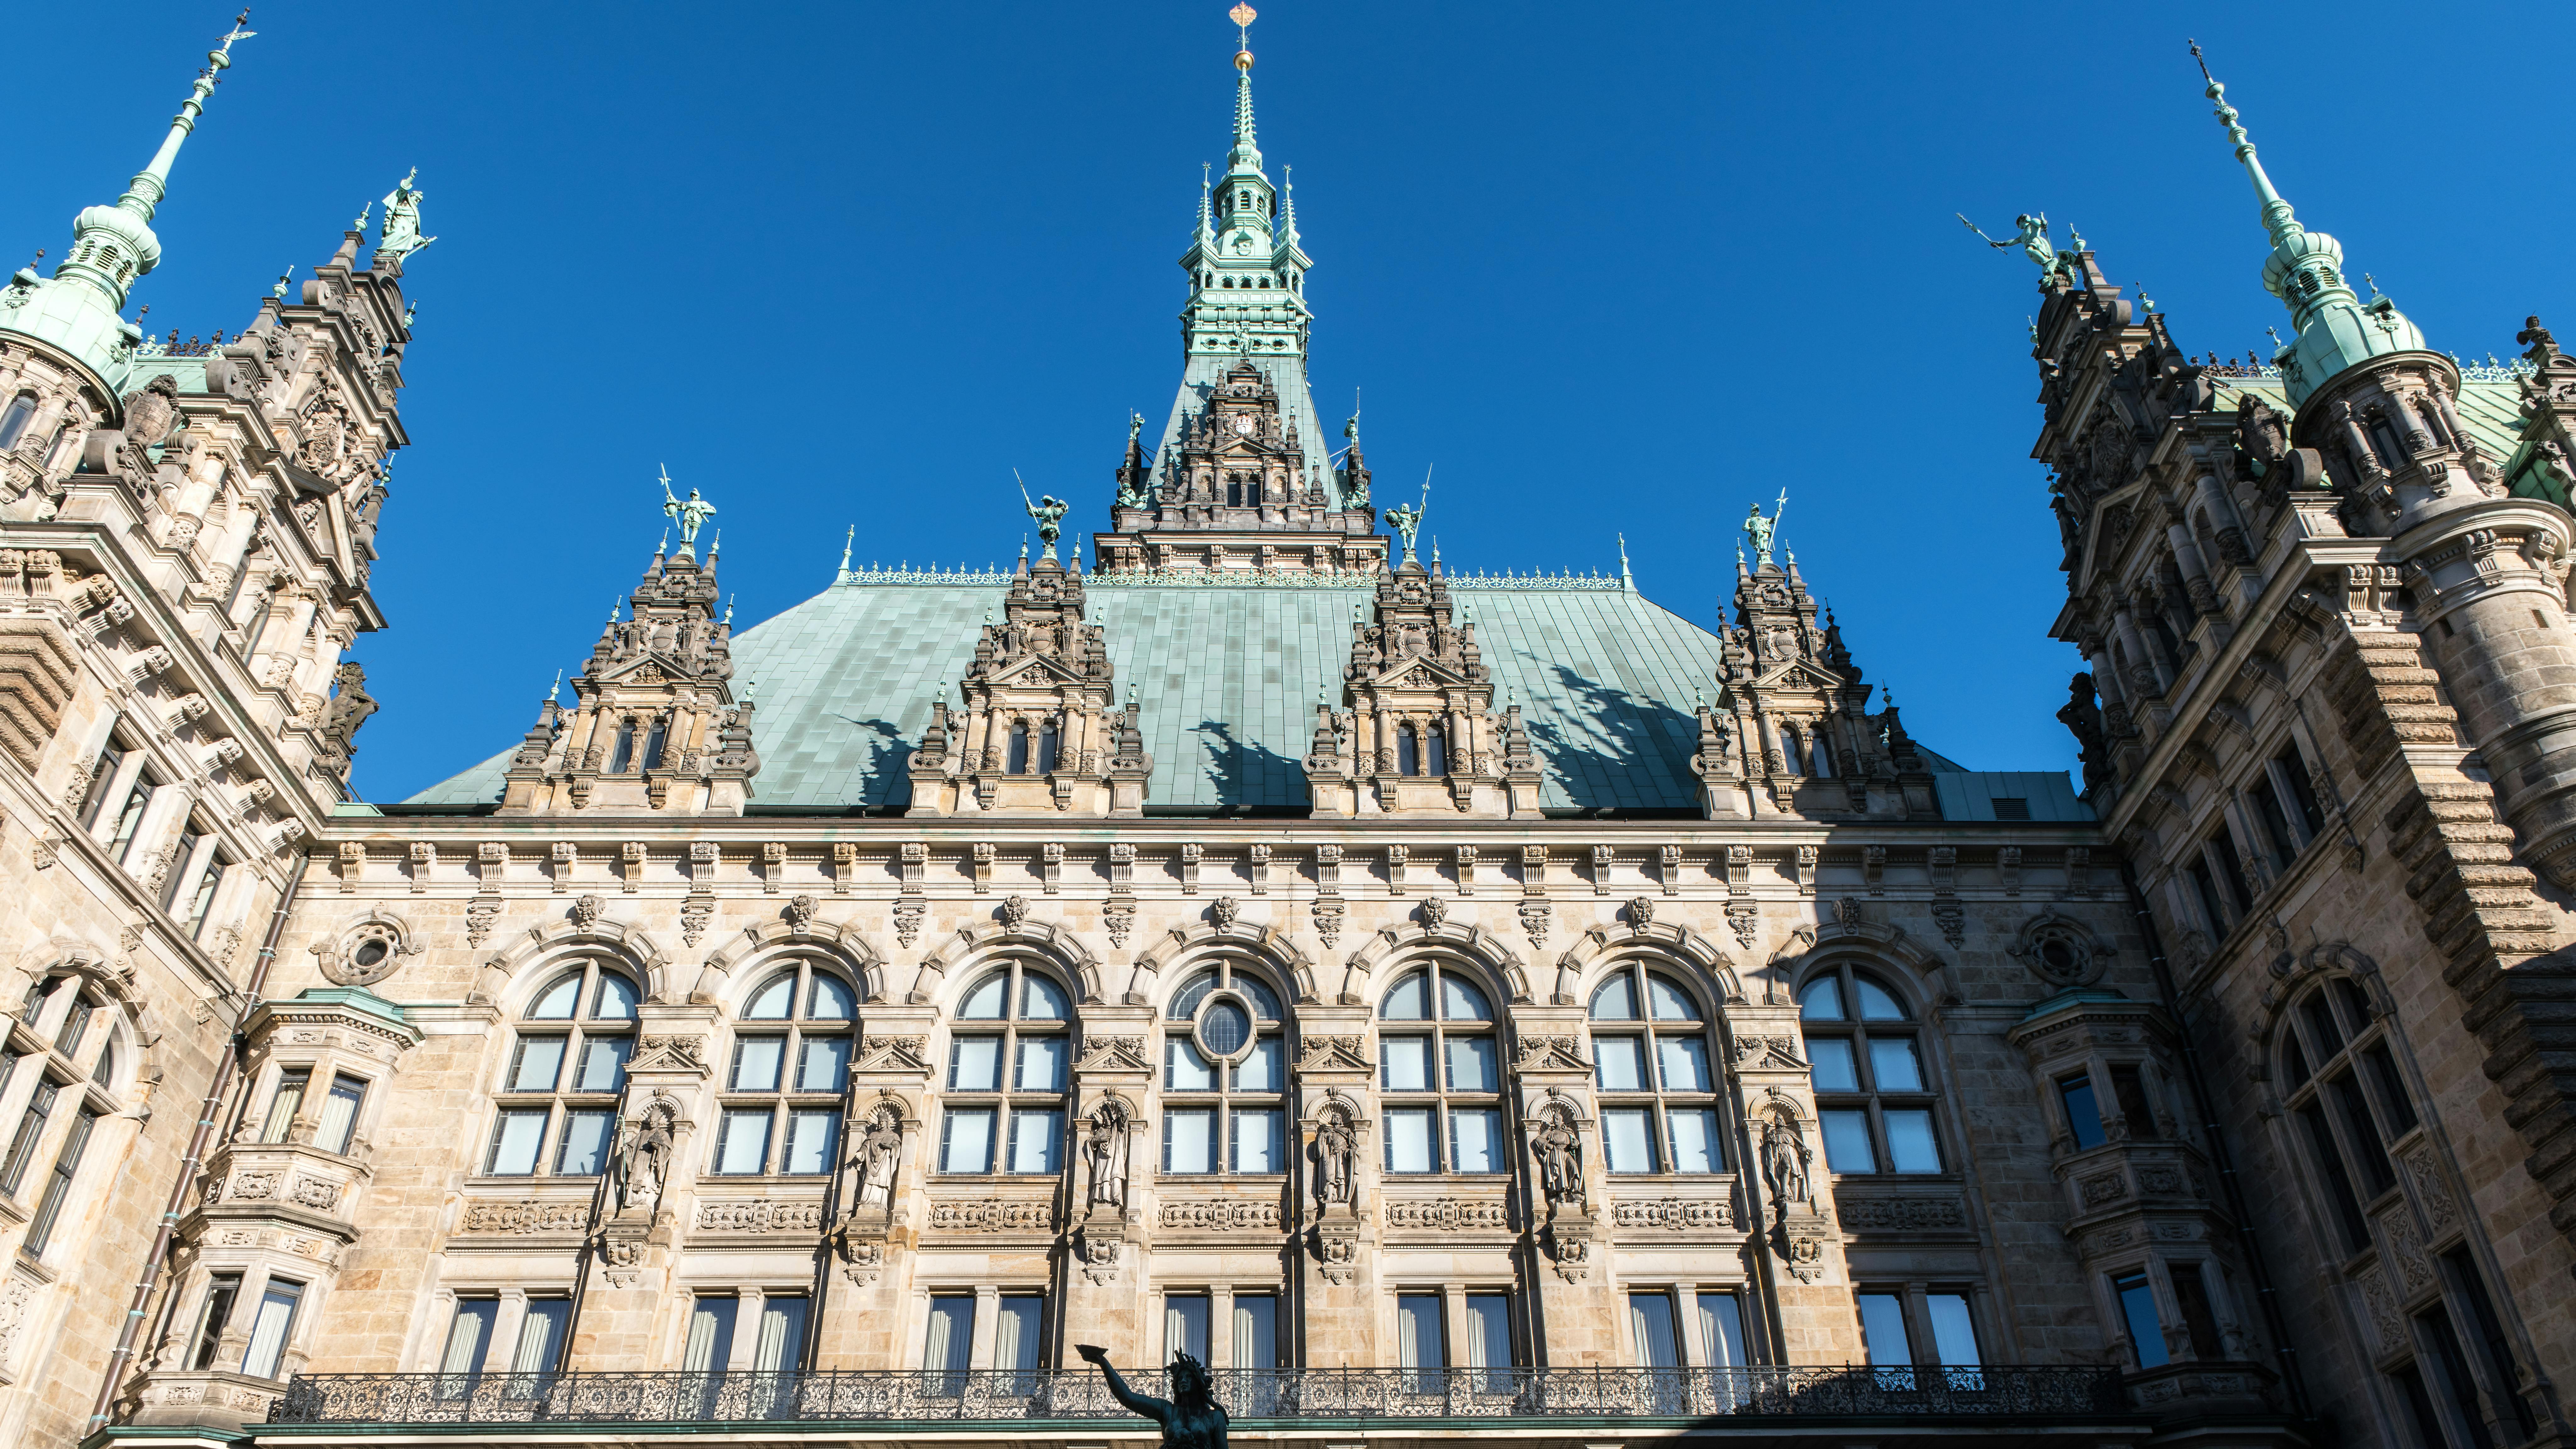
x: 1243, y: 16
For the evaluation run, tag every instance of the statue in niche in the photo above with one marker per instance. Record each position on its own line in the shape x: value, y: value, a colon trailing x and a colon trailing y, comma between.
x: 1191, y: 1418
x: 1336, y: 1160
x: 646, y: 1160
x: 1558, y: 1145
x: 1785, y: 1160
x: 1104, y: 1148
x: 401, y: 235
x: 880, y: 1150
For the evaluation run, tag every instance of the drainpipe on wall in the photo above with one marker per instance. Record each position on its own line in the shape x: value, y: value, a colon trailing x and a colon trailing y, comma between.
x: 217, y: 1089
x: 2264, y: 1293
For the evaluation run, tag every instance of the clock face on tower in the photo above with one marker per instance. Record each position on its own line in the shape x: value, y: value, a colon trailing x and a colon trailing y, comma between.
x: 1243, y: 424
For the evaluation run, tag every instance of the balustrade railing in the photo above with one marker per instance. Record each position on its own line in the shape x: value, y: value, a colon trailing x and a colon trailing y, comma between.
x: 987, y: 1396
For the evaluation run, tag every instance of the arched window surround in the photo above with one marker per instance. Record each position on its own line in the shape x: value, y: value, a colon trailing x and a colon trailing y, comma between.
x: 65, y: 1072
x: 1658, y: 1069
x: 1006, y: 1074
x: 1223, y: 1064
x: 782, y: 1083
x: 1440, y: 1068
x: 556, y: 1093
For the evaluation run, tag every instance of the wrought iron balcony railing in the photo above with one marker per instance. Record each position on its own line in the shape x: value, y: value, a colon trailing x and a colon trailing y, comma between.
x: 987, y: 1396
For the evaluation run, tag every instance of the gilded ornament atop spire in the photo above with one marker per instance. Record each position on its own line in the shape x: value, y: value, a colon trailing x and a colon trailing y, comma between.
x: 1242, y: 16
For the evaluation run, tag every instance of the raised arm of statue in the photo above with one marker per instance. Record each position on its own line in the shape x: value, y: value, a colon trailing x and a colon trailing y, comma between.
x: 1158, y: 1410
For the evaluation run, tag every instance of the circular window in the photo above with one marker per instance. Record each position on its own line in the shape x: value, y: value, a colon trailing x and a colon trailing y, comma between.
x: 369, y: 952
x: 2058, y: 957
x: 1223, y: 1028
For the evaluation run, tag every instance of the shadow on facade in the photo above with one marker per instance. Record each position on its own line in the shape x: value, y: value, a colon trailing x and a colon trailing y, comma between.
x: 1249, y: 775
x: 1638, y: 752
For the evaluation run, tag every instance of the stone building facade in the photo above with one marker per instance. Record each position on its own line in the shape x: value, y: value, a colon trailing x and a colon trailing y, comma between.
x: 1440, y: 1003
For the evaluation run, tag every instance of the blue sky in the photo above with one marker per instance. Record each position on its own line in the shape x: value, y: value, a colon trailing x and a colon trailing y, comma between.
x: 1611, y: 268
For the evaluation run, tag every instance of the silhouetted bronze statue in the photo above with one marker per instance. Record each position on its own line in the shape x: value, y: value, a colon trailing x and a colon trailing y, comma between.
x: 1191, y: 1419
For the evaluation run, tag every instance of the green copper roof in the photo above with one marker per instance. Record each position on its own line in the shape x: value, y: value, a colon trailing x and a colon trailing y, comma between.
x: 1227, y: 678
x: 2489, y: 406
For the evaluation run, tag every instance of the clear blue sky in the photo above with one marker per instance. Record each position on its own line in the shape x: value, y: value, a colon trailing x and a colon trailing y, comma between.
x: 1611, y: 268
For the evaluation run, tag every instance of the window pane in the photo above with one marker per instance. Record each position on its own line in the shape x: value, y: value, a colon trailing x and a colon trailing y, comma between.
x: 1909, y: 1141
x: 1265, y: 1002
x: 469, y: 1335
x: 1833, y: 1068
x: 1260, y: 1070
x: 1668, y: 1002
x: 1489, y: 1331
x: 1184, y: 1070
x: 1684, y: 1062
x: 1256, y: 1332
x: 1893, y: 1063
x: 2083, y: 1114
x: 221, y: 1293
x: 755, y: 1063
x: 710, y: 1344
x: 781, y: 1344
x: 1471, y: 1064
x: 809, y: 1143
x: 616, y: 999
x: 1822, y: 1001
x: 515, y: 1142
x: 1721, y: 1322
x: 2322, y: 1032
x: 1041, y: 999
x: 284, y: 1104
x: 1185, y: 1326
x: 742, y: 1147
x: 603, y: 1063
x: 556, y: 1003
x: 1226, y: 1027
x: 585, y: 1143
x: 966, y: 1140
x: 1037, y: 1141
x: 1041, y: 1065
x: 1016, y: 1346
x: 1616, y: 1000
x: 984, y: 1003
x: 821, y: 1062
x: 1408, y: 1141
x: 1476, y: 1141
x: 1256, y: 1142
x: 269, y: 1329
x: 1408, y: 1000
x: 1695, y: 1141
x: 1619, y: 1062
x: 830, y: 1001
x: 1419, y: 1343
x: 1185, y: 1002
x: 1461, y: 1001
x: 2146, y: 1330
x: 1882, y: 1330
x: 534, y: 1067
x: 769, y: 1003
x: 1405, y: 1063
x: 1650, y: 1318
x: 1875, y: 1003
x: 1847, y: 1146
x: 1627, y: 1135
x: 975, y: 1064
x: 1954, y: 1333
x: 1189, y: 1140
x: 952, y: 1334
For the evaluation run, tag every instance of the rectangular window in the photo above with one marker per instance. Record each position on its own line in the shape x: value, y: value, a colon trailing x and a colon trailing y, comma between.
x: 1020, y: 1345
x: 2392, y: 1089
x: 2303, y: 794
x: 1184, y: 1069
x: 1476, y: 1140
x: 1189, y: 1140
x: 469, y: 1340
x: 2138, y: 1309
x: 1883, y: 1333
x: 1256, y: 1146
x: 285, y: 1103
x: 809, y: 1143
x: 2434, y: 1324
x: 1954, y: 1330
x: 2129, y: 1086
x: 1037, y: 1141
x: 516, y: 1139
x: 2419, y: 1405
x: 975, y: 1064
x: 2083, y: 1115
x: 102, y: 780
x: 1721, y: 1326
x: 1894, y: 1066
x: 1185, y: 1326
x: 603, y: 1064
x: 1619, y: 1063
x: 270, y: 1327
x: 1683, y: 1061
x: 1409, y: 1140
x: 756, y: 1060
x: 951, y: 1340
x: 2231, y: 868
x: 1256, y: 1331
x: 822, y: 1061
x: 201, y: 900
x: 129, y: 817
x: 2191, y: 1299
x: 710, y: 1345
x: 2495, y: 1347
x: 1650, y: 1320
x: 585, y: 1142
x: 1695, y: 1141
x: 340, y: 1113
x: 1847, y: 1146
x: 2276, y: 822
x: 1261, y: 1069
x: 183, y: 854
x: 1420, y: 1343
x: 1404, y: 1063
x: 966, y: 1142
x: 536, y: 1064
x: 2376, y: 1170
x: 1487, y: 1341
x: 1831, y: 1066
x: 742, y: 1142
x: 1911, y: 1146
x: 781, y: 1345
x: 1471, y: 1064
x: 2347, y: 1207
x: 222, y: 1292
x: 1041, y: 1065
x: 1628, y: 1137
x: 541, y: 1339
x: 31, y: 1129
x: 2205, y: 886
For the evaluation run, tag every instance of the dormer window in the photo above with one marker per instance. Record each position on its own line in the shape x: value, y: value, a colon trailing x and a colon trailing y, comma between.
x: 13, y: 423
x: 653, y: 745
x: 624, y: 758
x: 1046, y: 747
x: 1017, y: 762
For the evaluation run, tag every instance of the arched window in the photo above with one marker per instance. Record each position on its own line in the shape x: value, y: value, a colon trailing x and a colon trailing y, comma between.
x: 1435, y: 750
x: 1438, y: 1066
x: 1225, y: 1068
x: 13, y: 423
x: 1873, y: 1096
x: 1659, y: 1109
x: 624, y: 757
x: 55, y: 1095
x: 1408, y: 760
x: 783, y: 1085
x: 653, y: 743
x: 1789, y: 751
x: 1046, y: 746
x: 565, y: 1070
x: 1017, y: 761
x: 1007, y: 1057
x: 1820, y: 751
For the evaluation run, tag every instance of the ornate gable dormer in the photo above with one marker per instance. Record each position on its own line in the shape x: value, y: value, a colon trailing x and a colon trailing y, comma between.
x: 1039, y: 732
x: 1790, y: 691
x: 654, y: 724
x: 1419, y: 735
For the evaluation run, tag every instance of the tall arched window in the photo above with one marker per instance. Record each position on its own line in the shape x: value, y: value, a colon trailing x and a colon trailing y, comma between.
x: 624, y: 757
x: 13, y: 422
x: 1017, y: 761
x: 565, y: 1070
x: 1439, y: 1068
x: 1873, y: 1095
x: 1407, y: 760
x: 1047, y: 746
x: 57, y: 1092
x: 1659, y: 1109
x: 1789, y: 751
x: 1008, y: 1054
x: 1820, y: 751
x: 1225, y: 1070
x: 1435, y: 750
x: 783, y: 1085
x: 653, y: 739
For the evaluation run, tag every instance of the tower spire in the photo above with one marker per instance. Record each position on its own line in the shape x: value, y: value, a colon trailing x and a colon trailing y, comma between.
x: 1247, y: 150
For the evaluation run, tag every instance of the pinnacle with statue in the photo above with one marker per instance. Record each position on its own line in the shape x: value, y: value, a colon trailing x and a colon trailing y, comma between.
x: 692, y: 512
x: 1761, y: 529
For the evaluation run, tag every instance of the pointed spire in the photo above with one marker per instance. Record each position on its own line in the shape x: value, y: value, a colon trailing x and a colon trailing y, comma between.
x: 1288, y: 207
x: 1626, y: 581
x: 1247, y: 151
x: 1207, y: 218
x: 851, y: 538
x: 143, y: 194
